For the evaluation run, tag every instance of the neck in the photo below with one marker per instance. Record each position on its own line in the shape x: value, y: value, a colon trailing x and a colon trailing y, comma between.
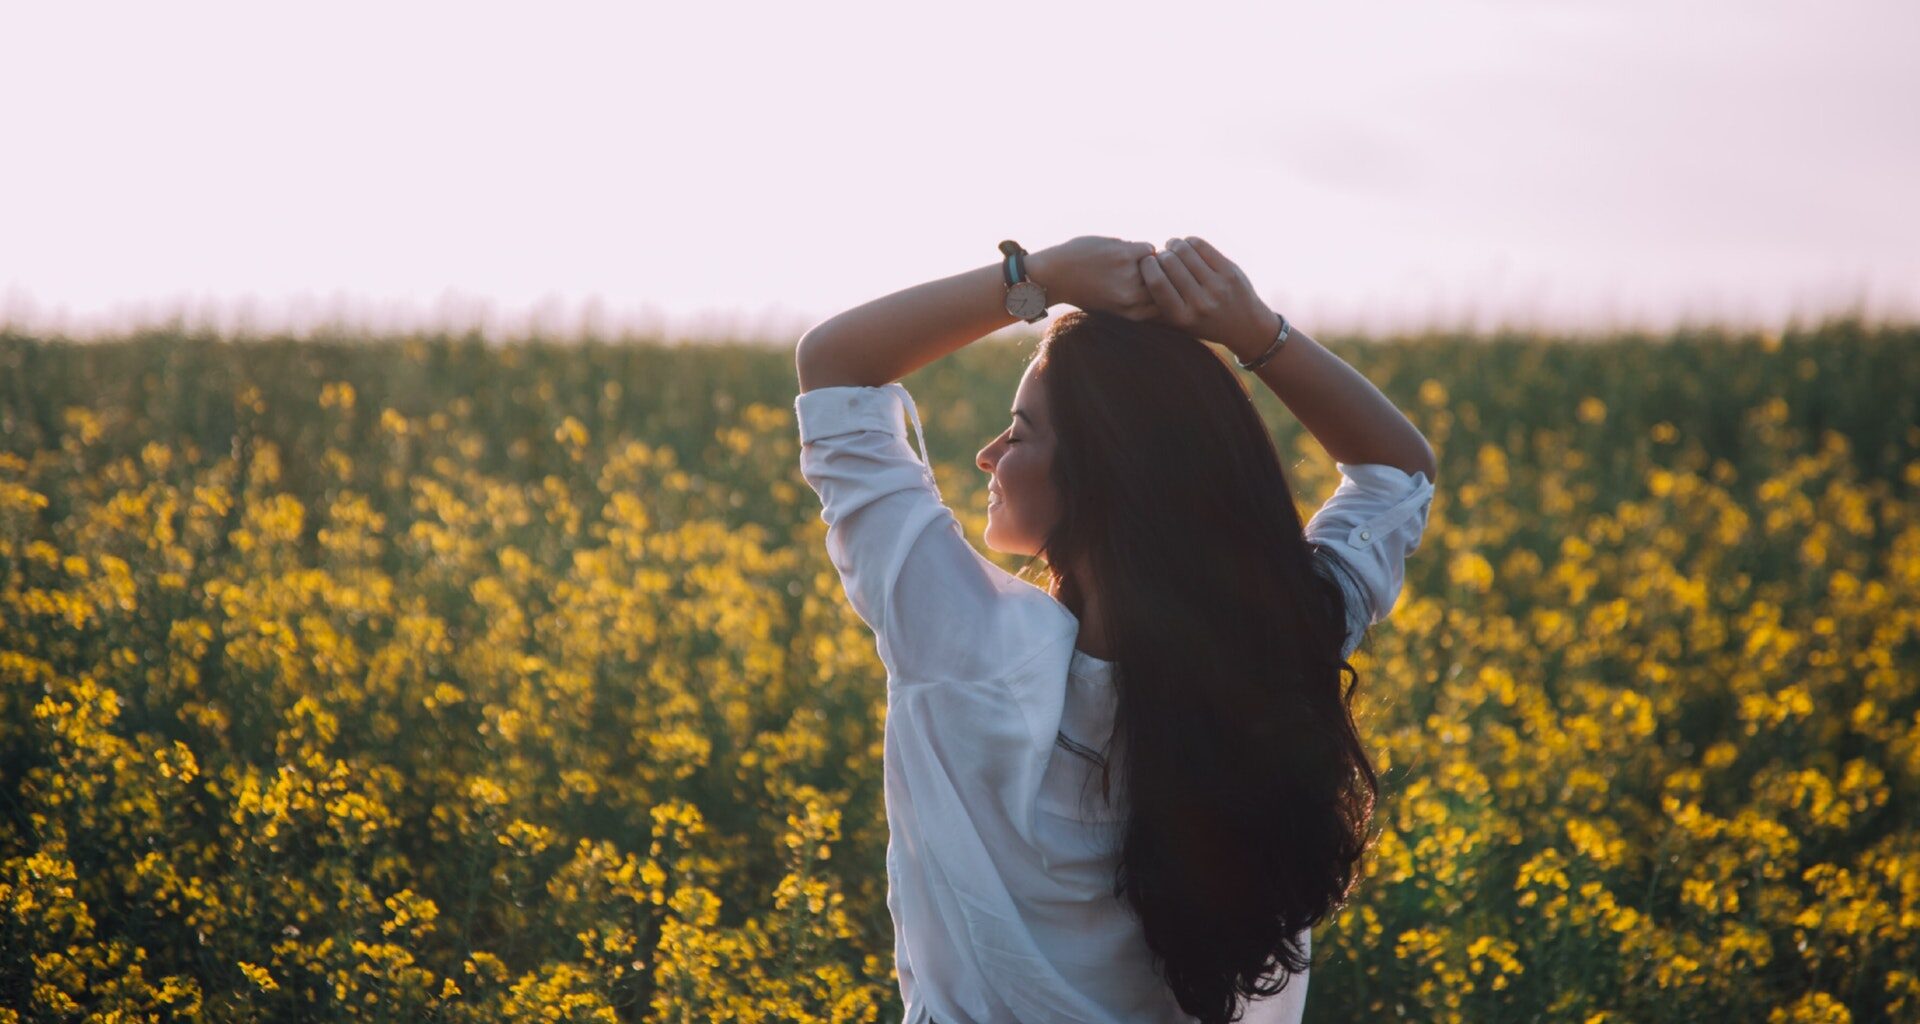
x: 1092, y: 638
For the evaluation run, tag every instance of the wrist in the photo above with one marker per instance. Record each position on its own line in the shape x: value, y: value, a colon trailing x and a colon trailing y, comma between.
x: 1258, y: 339
x: 1043, y: 267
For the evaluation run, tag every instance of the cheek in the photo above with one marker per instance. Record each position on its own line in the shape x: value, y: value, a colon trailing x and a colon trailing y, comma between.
x: 1027, y: 473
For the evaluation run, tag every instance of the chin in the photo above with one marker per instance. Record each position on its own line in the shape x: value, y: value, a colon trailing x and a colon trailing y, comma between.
x: 991, y: 539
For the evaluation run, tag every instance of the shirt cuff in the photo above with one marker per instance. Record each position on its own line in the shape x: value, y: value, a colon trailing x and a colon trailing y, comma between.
x: 1406, y: 494
x: 824, y: 412
x: 848, y: 408
x: 1382, y: 479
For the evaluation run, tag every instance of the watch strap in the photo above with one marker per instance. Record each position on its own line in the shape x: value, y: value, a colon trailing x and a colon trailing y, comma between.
x: 1013, y: 269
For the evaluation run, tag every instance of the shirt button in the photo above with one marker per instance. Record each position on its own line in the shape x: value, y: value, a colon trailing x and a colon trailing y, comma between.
x: 1366, y: 534
x: 850, y: 403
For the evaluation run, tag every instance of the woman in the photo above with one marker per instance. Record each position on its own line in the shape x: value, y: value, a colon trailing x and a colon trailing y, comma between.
x: 1129, y: 796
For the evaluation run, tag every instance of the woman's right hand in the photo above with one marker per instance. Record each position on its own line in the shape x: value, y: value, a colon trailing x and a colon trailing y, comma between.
x: 1203, y: 293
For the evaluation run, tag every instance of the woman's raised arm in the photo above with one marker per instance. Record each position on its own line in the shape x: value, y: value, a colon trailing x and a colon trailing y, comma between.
x: 879, y: 342
x: 1204, y: 293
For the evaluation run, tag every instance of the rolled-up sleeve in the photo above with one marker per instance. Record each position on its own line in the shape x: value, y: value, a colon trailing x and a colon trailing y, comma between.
x: 1373, y: 521
x: 939, y: 610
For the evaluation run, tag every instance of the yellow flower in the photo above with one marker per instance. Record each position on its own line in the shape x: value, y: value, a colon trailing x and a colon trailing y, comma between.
x: 259, y: 976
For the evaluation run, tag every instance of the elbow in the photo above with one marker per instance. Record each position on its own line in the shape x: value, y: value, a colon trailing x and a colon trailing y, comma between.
x: 824, y: 363
x: 1425, y: 462
x: 808, y: 367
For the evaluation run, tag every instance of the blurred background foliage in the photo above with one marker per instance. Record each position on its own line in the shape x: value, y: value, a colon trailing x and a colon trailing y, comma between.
x: 432, y: 678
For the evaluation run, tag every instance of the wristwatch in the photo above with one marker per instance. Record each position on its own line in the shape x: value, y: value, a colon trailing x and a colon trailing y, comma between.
x: 1025, y: 298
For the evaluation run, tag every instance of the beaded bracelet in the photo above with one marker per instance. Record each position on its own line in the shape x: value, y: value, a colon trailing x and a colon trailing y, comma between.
x: 1277, y: 342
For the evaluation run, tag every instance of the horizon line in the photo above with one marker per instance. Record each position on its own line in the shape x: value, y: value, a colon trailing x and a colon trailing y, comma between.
x: 303, y: 317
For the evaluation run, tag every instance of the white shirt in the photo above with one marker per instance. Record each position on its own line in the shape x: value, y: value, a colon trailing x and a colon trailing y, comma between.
x: 999, y: 877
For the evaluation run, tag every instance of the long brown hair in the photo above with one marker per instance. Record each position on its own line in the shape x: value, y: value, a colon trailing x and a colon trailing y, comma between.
x: 1248, y: 791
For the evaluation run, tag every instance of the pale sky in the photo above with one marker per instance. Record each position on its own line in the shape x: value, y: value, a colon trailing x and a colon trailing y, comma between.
x: 753, y: 169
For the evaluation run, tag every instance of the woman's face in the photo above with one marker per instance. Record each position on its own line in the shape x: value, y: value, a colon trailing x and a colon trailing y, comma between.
x: 1022, y: 504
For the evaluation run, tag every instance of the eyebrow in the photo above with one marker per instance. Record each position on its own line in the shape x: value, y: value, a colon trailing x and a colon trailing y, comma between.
x: 1021, y: 415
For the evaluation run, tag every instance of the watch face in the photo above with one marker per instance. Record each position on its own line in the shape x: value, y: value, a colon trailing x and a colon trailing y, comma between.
x: 1026, y: 300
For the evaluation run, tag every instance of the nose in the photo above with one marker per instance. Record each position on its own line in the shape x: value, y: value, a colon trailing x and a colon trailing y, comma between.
x: 985, y: 460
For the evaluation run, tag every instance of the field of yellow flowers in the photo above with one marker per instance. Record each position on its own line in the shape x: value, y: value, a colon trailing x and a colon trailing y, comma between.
x: 432, y: 679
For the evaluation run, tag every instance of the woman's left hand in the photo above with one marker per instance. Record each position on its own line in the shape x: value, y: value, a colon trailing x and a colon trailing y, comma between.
x: 1096, y: 272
